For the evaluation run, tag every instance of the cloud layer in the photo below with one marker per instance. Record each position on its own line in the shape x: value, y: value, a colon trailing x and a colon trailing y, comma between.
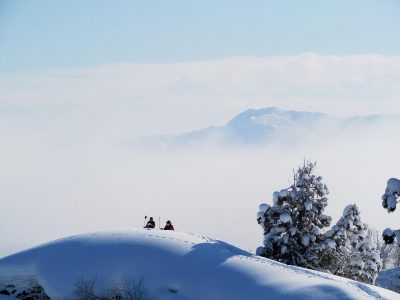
x: 66, y: 168
x: 173, y: 98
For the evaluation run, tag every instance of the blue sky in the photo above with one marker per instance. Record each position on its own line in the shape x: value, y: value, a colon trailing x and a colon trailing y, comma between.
x: 51, y: 34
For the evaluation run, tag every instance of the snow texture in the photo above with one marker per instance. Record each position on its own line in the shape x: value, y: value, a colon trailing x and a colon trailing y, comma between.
x: 305, y: 240
x: 285, y: 218
x: 330, y: 243
x: 393, y: 186
x: 192, y: 266
x: 389, y: 279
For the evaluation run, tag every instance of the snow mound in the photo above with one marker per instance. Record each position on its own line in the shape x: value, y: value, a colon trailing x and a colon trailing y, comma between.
x: 173, y: 265
x: 389, y: 279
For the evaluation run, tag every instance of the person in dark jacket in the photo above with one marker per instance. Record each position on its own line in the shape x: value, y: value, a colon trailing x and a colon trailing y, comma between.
x: 150, y: 224
x: 168, y: 226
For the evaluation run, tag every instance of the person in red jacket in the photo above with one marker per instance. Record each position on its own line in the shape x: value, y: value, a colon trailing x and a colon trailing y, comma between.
x: 150, y: 224
x: 168, y: 226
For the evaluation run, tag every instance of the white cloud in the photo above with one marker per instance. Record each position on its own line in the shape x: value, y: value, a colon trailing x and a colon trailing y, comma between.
x: 65, y: 169
x: 48, y: 193
x: 171, y: 98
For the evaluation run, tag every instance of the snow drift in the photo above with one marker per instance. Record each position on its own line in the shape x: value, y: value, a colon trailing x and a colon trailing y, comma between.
x: 389, y: 279
x: 173, y: 265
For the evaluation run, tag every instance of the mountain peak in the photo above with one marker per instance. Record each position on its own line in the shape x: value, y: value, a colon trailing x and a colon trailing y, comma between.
x: 246, y: 116
x: 272, y: 124
x: 270, y: 115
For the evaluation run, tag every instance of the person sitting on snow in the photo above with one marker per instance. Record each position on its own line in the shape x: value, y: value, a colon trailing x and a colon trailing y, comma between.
x: 150, y: 224
x: 168, y: 226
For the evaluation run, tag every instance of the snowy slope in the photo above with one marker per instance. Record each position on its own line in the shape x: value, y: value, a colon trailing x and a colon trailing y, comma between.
x: 174, y: 265
x: 266, y: 125
x: 389, y: 279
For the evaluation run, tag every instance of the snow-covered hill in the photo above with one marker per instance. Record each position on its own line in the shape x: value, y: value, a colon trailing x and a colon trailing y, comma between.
x: 267, y: 125
x: 173, y: 265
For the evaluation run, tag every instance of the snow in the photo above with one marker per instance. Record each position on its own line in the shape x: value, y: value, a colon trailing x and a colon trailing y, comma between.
x: 193, y: 266
x: 305, y: 177
x: 363, y: 234
x: 393, y: 186
x: 275, y: 197
x: 305, y: 240
x: 315, y: 230
x: 388, y: 232
x: 263, y: 207
x: 313, y: 238
x: 392, y: 192
x: 283, y: 193
x: 391, y: 201
x: 397, y: 233
x: 293, y: 193
x: 348, y: 210
x: 285, y: 218
x: 389, y: 279
x: 368, y: 244
x: 298, y: 207
x: 293, y: 230
x: 330, y: 243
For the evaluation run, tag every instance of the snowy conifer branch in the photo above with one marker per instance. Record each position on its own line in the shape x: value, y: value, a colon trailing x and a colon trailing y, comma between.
x: 389, y: 201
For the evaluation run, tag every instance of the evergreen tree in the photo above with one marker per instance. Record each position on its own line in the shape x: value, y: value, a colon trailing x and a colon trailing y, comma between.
x: 356, y: 256
x: 292, y: 225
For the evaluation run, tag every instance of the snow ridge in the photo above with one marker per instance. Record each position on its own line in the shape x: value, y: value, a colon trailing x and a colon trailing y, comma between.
x: 192, y: 265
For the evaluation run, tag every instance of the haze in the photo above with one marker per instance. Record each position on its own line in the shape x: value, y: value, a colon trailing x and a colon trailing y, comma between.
x: 75, y: 96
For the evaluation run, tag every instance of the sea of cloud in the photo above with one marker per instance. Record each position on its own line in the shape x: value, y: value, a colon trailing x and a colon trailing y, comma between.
x: 68, y: 165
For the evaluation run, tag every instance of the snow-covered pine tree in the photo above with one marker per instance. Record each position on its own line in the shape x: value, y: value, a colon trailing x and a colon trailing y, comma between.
x: 356, y: 256
x: 292, y: 225
x: 389, y: 201
x: 369, y: 255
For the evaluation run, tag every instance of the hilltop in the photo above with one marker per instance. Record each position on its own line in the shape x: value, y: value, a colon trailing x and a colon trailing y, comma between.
x: 171, y: 265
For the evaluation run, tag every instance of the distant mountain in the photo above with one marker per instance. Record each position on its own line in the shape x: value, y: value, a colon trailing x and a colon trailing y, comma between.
x: 268, y: 125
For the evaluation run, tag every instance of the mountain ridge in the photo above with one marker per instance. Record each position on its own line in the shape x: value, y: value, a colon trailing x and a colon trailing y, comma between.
x: 267, y: 125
